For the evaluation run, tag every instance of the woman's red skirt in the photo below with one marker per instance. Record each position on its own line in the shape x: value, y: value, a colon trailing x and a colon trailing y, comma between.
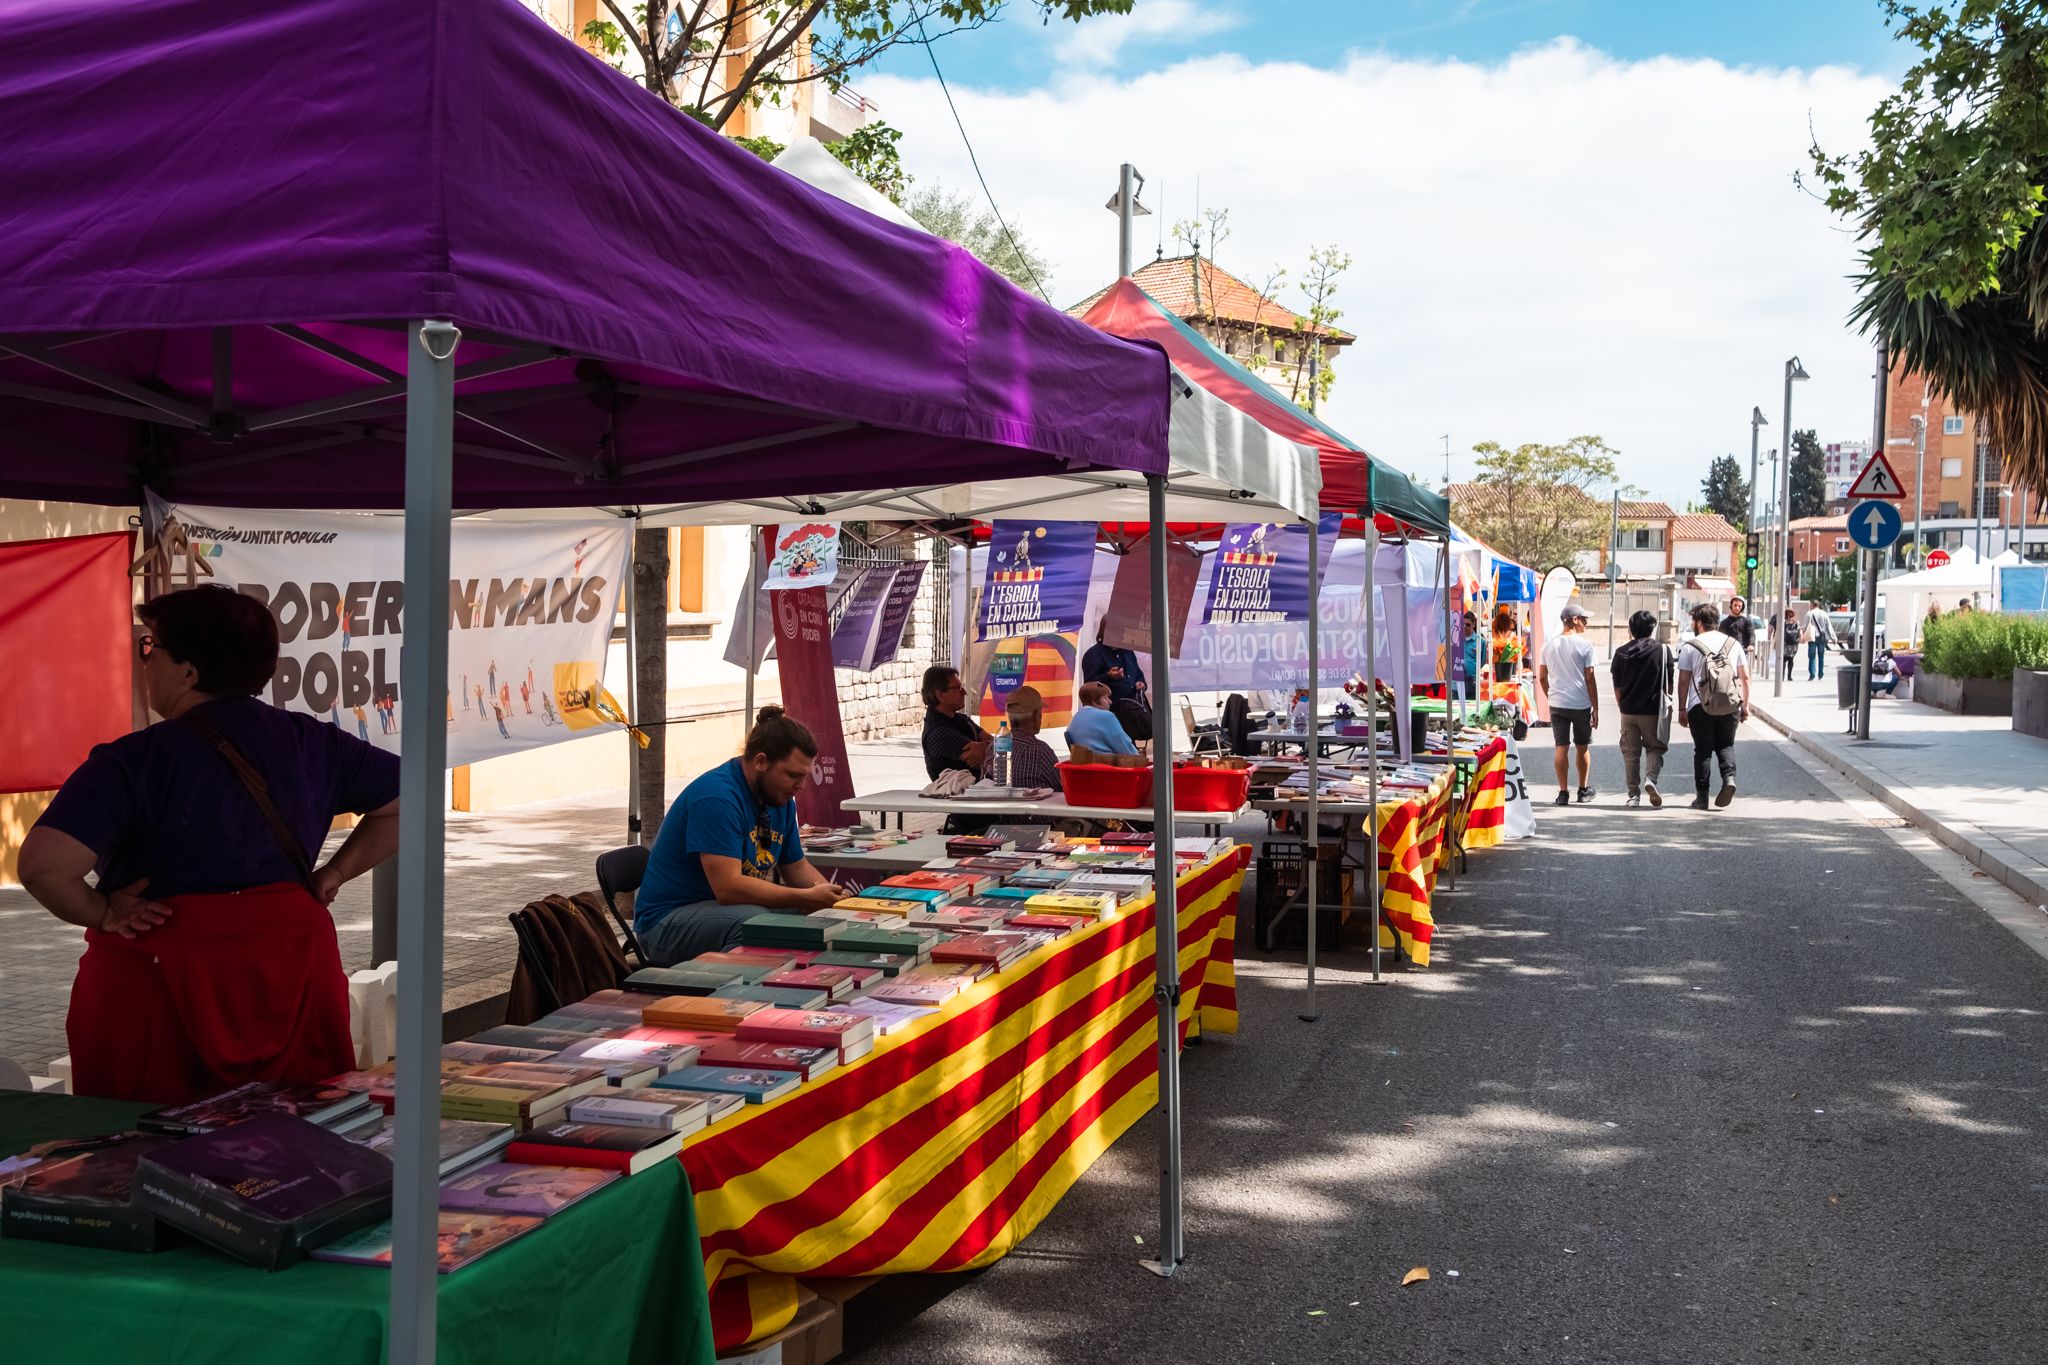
x: 246, y: 986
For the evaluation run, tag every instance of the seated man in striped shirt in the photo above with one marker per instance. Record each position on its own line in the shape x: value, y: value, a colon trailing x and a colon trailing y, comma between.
x: 1032, y: 761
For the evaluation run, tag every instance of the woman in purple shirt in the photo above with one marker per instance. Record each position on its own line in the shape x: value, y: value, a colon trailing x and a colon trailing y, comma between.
x: 210, y: 952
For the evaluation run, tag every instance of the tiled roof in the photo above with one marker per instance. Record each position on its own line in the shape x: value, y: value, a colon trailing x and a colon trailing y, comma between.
x: 1707, y: 526
x: 1646, y: 511
x: 1221, y: 295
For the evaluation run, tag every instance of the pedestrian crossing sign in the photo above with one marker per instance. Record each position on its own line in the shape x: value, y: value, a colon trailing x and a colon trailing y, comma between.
x: 1878, y: 481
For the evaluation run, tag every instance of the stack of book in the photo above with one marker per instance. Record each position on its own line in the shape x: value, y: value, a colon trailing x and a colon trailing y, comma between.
x: 808, y: 1062
x: 523, y: 1094
x: 704, y: 1014
x: 995, y: 951
x: 747, y: 969
x: 626, y: 1148
x: 629, y: 1062
x: 688, y: 978
x: 888, y: 1016
x: 670, y: 1111
x: 82, y: 1194
x: 776, y: 930
x: 1086, y: 904
x: 786, y: 997
x: 971, y: 845
x: 464, y: 1143
x: 752, y: 1084
x: 326, y: 1104
x: 849, y: 1035
x: 836, y: 982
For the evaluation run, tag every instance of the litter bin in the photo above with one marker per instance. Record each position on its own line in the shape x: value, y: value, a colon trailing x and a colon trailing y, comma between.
x: 1847, y: 682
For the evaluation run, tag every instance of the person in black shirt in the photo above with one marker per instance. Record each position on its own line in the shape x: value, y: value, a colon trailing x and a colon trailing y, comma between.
x: 1642, y: 682
x: 1118, y: 670
x: 951, y: 740
x: 1738, y: 626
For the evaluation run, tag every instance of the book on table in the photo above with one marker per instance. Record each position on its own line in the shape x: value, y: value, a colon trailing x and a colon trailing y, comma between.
x: 995, y: 950
x: 1042, y: 879
x: 1123, y: 884
x: 83, y: 1194
x: 883, y: 964
x: 999, y: 865
x: 888, y: 1016
x: 675, y: 1037
x: 776, y: 958
x: 902, y: 991
x: 460, y: 1239
x: 680, y: 980
x: 808, y: 1028
x: 544, y: 1039
x: 266, y: 1191
x: 860, y: 974
x: 950, y: 883
x: 807, y: 1062
x: 753, y: 1084
x: 747, y: 969
x: 782, y: 997
x: 705, y: 1013
x: 518, y: 1188
x: 1056, y: 925
x: 624, y: 1148
x: 966, y: 973
x: 848, y: 908
x: 596, y: 1023
x: 636, y: 1057
x: 962, y: 845
x: 776, y: 929
x: 1092, y: 904
x: 464, y: 1142
x: 323, y: 1104
x: 836, y: 982
x: 1014, y: 893
x: 920, y: 894
x: 960, y: 919
x: 670, y: 1111
x: 1024, y: 838
x: 898, y: 942
x: 483, y: 1054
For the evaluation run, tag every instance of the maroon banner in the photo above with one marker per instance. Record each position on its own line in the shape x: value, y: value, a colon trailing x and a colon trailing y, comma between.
x: 803, y: 651
x: 67, y: 639
x: 1127, y: 624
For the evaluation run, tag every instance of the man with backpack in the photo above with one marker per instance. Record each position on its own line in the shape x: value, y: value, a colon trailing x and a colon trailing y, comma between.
x: 1642, y: 691
x: 1713, y: 698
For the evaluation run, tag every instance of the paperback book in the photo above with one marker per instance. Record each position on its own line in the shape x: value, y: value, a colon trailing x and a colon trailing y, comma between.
x: 683, y: 980
x: 462, y: 1238
x: 83, y: 1194
x: 782, y: 997
x: 323, y: 1104
x: 754, y: 1085
x: 522, y: 1190
x: 668, y: 1111
x: 708, y: 1013
x: 807, y: 1062
x: 627, y: 1149
x: 464, y: 1143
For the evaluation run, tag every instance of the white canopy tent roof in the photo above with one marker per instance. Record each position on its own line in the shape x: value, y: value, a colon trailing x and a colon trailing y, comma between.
x: 1906, y: 597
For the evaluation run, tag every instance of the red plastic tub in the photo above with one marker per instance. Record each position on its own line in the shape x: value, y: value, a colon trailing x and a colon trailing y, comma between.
x: 1098, y: 784
x: 1210, y: 788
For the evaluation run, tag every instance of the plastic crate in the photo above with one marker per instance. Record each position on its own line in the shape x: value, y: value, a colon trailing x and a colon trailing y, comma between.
x: 1220, y: 789
x: 1096, y: 784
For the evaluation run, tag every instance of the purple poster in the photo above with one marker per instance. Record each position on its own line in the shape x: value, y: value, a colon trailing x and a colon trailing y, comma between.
x: 1261, y: 572
x: 896, y: 608
x: 1037, y: 581
x: 853, y: 639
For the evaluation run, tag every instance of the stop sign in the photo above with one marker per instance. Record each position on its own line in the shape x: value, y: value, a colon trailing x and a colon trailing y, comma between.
x: 1937, y: 559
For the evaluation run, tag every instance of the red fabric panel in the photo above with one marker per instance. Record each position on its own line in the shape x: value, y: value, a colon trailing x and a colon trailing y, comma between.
x: 66, y: 638
x: 803, y: 653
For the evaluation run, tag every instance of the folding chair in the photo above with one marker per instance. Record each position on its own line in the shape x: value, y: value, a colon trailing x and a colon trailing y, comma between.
x: 1206, y: 737
x: 619, y: 873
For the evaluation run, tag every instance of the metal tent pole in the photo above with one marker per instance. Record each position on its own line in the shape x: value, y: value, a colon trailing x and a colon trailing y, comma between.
x: 422, y: 765
x: 1443, y: 587
x: 753, y: 624
x: 1165, y: 902
x: 1312, y: 834
x: 1372, y: 728
x: 383, y: 914
x: 632, y: 691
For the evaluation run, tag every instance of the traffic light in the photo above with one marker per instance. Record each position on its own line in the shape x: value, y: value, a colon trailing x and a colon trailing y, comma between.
x: 1750, y: 551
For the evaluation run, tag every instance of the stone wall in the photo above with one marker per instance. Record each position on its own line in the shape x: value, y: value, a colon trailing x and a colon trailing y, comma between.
x: 885, y: 702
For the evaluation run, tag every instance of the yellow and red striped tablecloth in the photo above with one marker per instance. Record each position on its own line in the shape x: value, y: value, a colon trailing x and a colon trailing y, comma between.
x: 1411, y: 847
x: 947, y: 1145
x: 1488, y: 808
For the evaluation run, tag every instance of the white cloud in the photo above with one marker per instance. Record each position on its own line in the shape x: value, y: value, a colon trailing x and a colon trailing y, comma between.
x: 1556, y: 244
x: 1100, y: 42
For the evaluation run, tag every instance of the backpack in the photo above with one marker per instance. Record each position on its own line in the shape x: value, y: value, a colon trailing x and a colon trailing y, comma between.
x: 1720, y: 694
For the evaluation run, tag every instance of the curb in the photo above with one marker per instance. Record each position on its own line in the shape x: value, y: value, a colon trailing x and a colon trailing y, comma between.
x: 1991, y: 864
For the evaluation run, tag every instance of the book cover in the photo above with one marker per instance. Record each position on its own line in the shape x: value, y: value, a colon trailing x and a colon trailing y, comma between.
x: 624, y: 1148
x: 753, y: 1085
x: 629, y: 1055
x: 807, y: 1062
x: 966, y: 973
x: 802, y: 931
x: 514, y: 1188
x: 881, y: 964
x: 889, y: 1016
x: 483, y: 1054
x: 836, y: 982
x: 687, y: 980
x: 894, y: 941
x: 930, y: 880
x: 747, y: 969
x: 84, y: 1195
x: 1092, y: 903
x: 783, y: 997
x: 706, y: 1013
x: 322, y: 1103
x: 542, y: 1039
x: 463, y: 1142
x: 673, y: 1037
x: 462, y: 1238
x: 885, y: 891
x: 1020, y: 893
x: 1046, y: 924
x: 267, y: 1190
x: 918, y: 992
x: 608, y: 1025
x: 806, y: 1028
x: 866, y: 910
x: 669, y: 1111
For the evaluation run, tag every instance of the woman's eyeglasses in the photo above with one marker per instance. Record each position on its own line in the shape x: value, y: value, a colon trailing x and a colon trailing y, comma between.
x: 145, y: 646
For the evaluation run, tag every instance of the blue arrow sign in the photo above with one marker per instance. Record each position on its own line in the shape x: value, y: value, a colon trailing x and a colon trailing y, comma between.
x: 1874, y: 525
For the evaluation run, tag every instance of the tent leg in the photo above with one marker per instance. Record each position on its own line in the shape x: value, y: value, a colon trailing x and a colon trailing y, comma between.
x: 1165, y: 901
x: 1372, y: 725
x: 632, y: 693
x: 422, y: 763
x: 753, y: 624
x: 1312, y: 834
x: 383, y: 913
x: 1443, y: 587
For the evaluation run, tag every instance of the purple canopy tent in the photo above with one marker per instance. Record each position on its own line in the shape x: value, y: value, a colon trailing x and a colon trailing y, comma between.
x: 419, y: 253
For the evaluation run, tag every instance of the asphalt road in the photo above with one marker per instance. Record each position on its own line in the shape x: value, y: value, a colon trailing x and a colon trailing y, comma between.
x: 1723, y: 1087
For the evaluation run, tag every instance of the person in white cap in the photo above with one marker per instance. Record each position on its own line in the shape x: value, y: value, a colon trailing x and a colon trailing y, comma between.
x: 1566, y: 676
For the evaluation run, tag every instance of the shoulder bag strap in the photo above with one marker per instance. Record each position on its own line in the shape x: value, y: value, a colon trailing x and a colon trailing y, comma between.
x: 258, y: 789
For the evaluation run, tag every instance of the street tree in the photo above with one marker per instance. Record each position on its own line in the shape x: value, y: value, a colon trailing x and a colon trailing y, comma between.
x: 1542, y: 504
x: 1809, y: 476
x: 1948, y: 201
x: 1726, y: 492
x: 957, y: 219
x: 712, y: 60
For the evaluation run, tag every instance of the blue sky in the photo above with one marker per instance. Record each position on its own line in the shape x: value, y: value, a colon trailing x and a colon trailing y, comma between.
x: 1765, y: 33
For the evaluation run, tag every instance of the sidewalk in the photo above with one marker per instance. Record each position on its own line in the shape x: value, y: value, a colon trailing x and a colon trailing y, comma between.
x: 496, y: 863
x: 1969, y: 781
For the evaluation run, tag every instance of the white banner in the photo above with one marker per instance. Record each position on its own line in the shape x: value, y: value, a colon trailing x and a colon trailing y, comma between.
x: 806, y: 556
x: 531, y: 607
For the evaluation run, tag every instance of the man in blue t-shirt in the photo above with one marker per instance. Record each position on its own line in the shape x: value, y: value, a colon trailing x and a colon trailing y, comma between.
x: 1095, y: 727
x: 728, y: 849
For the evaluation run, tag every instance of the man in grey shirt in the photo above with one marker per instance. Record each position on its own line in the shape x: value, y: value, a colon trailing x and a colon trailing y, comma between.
x: 1566, y: 676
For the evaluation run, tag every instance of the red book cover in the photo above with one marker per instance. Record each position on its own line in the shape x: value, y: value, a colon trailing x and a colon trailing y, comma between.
x: 800, y: 957
x: 836, y: 982
x: 808, y: 1062
x: 928, y: 880
x: 805, y: 1028
x: 1050, y: 924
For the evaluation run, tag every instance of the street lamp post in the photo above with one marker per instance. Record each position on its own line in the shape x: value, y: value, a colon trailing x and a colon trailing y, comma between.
x: 1793, y: 371
x: 1756, y: 419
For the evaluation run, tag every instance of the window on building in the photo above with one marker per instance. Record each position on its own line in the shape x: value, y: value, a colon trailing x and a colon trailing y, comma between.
x: 1951, y: 426
x: 1841, y: 547
x: 1952, y: 468
x: 1280, y: 351
x: 1949, y: 509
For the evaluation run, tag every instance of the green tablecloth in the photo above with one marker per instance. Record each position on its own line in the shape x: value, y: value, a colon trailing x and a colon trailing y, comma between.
x: 618, y: 1277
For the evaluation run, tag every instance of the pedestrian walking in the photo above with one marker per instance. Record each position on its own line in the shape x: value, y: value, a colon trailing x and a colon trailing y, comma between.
x: 1820, y: 633
x: 1642, y: 671
x: 1566, y: 674
x: 1737, y: 624
x: 1473, y: 648
x: 1713, y: 694
x: 1789, y: 628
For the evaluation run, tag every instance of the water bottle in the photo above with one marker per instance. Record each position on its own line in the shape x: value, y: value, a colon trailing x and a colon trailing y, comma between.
x: 1300, y: 715
x: 1003, y: 754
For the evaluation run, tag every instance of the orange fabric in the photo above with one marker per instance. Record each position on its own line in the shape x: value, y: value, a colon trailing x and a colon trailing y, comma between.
x: 232, y: 988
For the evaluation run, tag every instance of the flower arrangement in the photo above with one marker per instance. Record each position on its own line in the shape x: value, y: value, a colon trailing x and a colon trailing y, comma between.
x: 1358, y: 687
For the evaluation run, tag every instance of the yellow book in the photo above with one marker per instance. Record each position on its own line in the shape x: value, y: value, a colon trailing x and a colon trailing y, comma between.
x: 1092, y: 904
x: 878, y: 905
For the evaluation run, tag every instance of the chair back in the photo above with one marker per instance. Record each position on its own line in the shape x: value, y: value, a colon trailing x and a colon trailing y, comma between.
x: 619, y: 873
